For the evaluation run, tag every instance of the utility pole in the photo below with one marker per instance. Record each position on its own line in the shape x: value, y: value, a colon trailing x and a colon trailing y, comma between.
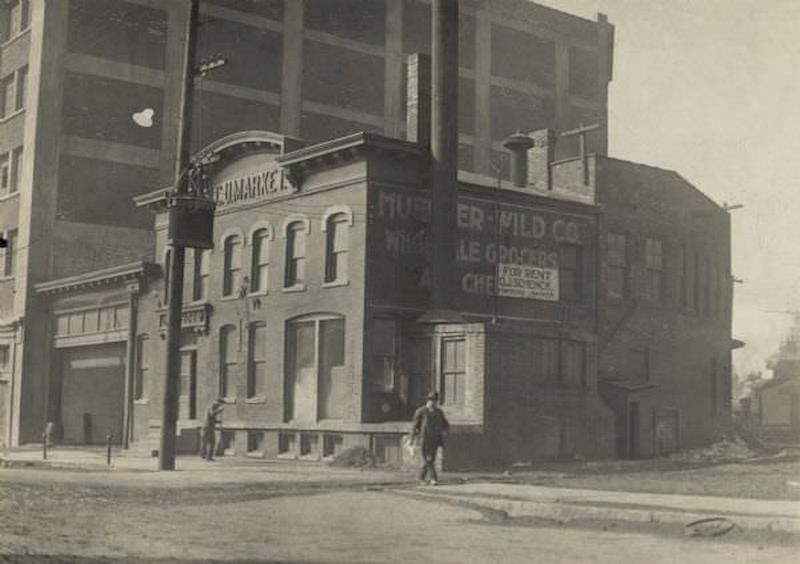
x: 169, y: 416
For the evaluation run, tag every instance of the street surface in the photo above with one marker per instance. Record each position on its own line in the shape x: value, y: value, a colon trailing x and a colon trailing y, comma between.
x: 316, y: 516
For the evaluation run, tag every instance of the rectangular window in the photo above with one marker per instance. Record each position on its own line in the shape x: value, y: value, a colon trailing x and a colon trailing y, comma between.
x: 295, y: 254
x: 227, y: 359
x: 7, y: 98
x: 5, y: 174
x: 233, y: 265
x: 573, y: 363
x: 200, y: 272
x: 336, y: 247
x: 384, y: 353
x: 259, y: 270
x: 9, y: 259
x: 569, y: 273
x: 654, y: 270
x: 15, y: 170
x: 454, y: 372
x: 255, y: 442
x: 22, y: 88
x: 617, y: 269
x: 547, y: 361
x: 142, y: 372
x: 5, y: 360
x: 257, y: 360
x: 14, y: 17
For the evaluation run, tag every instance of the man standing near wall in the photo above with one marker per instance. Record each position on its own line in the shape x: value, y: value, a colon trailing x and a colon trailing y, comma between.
x: 210, y: 423
x: 431, y: 426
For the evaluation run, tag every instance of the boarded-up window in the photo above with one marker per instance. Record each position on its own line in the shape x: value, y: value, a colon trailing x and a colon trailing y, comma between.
x: 232, y: 273
x: 569, y: 274
x: 336, y: 248
x: 573, y: 363
x: 227, y: 359
x: 259, y: 268
x: 295, y: 254
x: 383, y: 339
x: 257, y: 360
x: 201, y: 273
x: 454, y: 372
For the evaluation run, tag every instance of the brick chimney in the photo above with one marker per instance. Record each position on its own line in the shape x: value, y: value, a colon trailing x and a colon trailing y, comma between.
x: 518, y: 145
x: 540, y: 159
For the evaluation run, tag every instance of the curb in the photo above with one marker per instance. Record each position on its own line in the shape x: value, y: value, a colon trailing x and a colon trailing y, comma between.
x: 565, y: 512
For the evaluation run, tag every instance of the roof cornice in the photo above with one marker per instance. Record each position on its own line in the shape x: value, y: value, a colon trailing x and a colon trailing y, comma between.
x: 98, y: 278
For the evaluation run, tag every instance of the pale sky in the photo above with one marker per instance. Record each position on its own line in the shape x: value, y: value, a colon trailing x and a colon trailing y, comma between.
x: 711, y: 89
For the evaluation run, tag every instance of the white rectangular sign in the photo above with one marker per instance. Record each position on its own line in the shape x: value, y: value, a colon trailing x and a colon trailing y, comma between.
x: 528, y: 282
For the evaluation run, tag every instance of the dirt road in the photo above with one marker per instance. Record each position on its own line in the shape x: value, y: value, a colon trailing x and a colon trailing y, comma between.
x: 50, y: 517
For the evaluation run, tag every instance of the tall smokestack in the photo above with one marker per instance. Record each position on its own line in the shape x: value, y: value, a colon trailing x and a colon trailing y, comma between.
x: 444, y: 148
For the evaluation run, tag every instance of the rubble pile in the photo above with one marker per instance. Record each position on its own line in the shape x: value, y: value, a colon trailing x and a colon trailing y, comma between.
x: 726, y: 449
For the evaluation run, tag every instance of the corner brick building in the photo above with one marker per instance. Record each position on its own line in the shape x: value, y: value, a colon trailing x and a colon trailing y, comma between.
x: 73, y: 72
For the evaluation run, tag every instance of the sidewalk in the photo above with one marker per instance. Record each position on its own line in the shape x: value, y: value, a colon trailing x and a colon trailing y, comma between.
x: 568, y: 504
x: 136, y: 468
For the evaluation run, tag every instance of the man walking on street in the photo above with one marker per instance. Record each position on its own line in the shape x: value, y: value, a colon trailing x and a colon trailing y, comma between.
x: 210, y: 423
x: 431, y: 426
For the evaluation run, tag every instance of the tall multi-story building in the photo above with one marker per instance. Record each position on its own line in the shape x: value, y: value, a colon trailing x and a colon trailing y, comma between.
x: 73, y: 73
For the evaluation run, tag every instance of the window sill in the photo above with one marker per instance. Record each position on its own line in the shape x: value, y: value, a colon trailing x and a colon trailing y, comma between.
x: 295, y: 288
x: 141, y: 401
x: 11, y: 116
x: 287, y: 456
x: 9, y: 196
x: 231, y: 298
x: 255, y: 454
x: 259, y: 294
x: 229, y: 399
x: 336, y: 284
x: 15, y: 37
x: 7, y: 278
x: 256, y: 400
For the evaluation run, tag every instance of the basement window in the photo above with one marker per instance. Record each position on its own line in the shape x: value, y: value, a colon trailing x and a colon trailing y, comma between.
x: 308, y: 444
x: 331, y: 445
x: 255, y: 443
x: 287, y: 445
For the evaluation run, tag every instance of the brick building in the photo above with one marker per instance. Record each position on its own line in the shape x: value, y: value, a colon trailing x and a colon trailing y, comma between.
x: 73, y: 72
x: 591, y: 301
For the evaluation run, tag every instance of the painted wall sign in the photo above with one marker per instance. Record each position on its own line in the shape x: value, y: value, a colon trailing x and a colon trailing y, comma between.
x: 259, y: 186
x: 528, y: 282
x: 492, y: 238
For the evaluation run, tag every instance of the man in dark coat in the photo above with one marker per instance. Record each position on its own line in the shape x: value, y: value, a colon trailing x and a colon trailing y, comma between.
x: 210, y: 422
x: 429, y: 429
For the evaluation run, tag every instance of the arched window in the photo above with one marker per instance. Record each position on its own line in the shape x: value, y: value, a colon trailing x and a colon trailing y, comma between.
x: 201, y: 271
x: 336, y: 247
x: 227, y: 359
x: 295, y: 254
x: 232, y: 272
x: 259, y: 267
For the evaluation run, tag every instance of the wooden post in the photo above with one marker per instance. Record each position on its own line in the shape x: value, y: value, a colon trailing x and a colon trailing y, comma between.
x: 169, y: 418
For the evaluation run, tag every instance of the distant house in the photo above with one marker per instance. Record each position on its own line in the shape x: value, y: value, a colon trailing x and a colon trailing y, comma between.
x: 779, y: 398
